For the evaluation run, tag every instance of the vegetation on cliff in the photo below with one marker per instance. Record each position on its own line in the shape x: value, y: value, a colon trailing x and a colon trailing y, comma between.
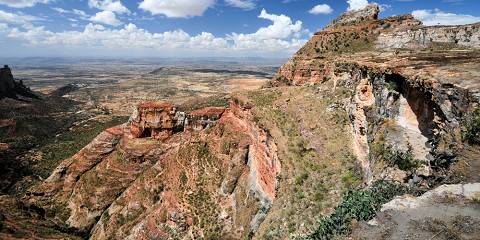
x: 471, y: 133
x: 358, y: 205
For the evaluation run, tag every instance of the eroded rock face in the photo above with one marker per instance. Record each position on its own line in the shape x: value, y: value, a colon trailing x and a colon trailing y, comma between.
x: 404, y: 103
x: 162, y: 120
x: 11, y: 88
x: 368, y: 13
x: 151, y: 119
x: 193, y: 183
x: 203, y: 118
x: 467, y: 36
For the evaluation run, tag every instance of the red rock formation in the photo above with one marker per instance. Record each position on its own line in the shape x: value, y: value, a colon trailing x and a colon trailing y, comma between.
x: 204, y: 118
x: 161, y: 120
x: 154, y: 120
x: 145, y: 184
x: 416, y: 97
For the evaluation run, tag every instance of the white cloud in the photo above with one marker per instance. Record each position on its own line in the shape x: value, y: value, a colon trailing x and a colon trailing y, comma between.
x: 244, y: 4
x: 60, y: 10
x: 282, y: 33
x: 176, y: 8
x: 281, y: 38
x: 20, y: 18
x: 77, y: 12
x: 109, y: 5
x: 22, y: 3
x: 321, y: 9
x: 356, y: 4
x: 80, y: 13
x: 282, y: 26
x: 106, y: 17
x: 437, y: 17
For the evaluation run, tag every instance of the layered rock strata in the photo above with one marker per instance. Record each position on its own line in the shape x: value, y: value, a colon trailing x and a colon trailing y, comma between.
x: 408, y: 96
x: 207, y: 173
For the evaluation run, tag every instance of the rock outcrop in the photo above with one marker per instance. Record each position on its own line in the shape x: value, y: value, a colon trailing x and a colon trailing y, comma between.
x: 155, y: 120
x: 382, y: 99
x: 408, y: 94
x: 11, y: 88
x: 446, y: 212
x: 162, y: 120
x: 467, y: 37
x: 352, y: 17
x: 163, y: 174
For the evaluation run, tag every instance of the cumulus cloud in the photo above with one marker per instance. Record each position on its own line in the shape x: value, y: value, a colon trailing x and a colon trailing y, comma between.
x: 281, y: 37
x: 321, y: 9
x: 244, y: 4
x: 106, y: 17
x: 437, y: 17
x: 356, y: 4
x: 176, y: 8
x: 22, y: 3
x: 282, y: 32
x: 109, y: 5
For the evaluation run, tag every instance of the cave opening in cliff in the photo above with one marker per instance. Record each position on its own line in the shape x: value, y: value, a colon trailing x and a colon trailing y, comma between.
x: 415, y: 114
x: 147, y: 132
x: 419, y: 102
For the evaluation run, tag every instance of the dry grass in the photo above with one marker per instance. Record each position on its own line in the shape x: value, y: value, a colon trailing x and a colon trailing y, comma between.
x: 314, y: 149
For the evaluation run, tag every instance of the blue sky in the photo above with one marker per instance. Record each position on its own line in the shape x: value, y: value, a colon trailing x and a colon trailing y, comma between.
x: 190, y: 28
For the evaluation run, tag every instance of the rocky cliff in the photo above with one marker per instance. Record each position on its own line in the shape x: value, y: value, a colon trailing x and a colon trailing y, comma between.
x: 215, y: 179
x: 367, y: 110
x: 410, y: 87
x: 11, y: 88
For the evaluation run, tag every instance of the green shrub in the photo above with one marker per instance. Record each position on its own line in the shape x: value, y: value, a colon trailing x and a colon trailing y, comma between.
x: 360, y: 205
x: 301, y: 178
x: 392, y: 86
x: 351, y: 180
x: 264, y: 99
x: 403, y: 160
x: 471, y: 125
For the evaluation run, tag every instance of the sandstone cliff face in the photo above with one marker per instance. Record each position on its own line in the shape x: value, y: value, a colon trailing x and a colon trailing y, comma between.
x: 467, y: 36
x: 366, y: 97
x: 214, y: 175
x: 404, y: 101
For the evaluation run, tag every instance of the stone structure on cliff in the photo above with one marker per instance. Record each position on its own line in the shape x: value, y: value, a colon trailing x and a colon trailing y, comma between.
x: 9, y: 88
